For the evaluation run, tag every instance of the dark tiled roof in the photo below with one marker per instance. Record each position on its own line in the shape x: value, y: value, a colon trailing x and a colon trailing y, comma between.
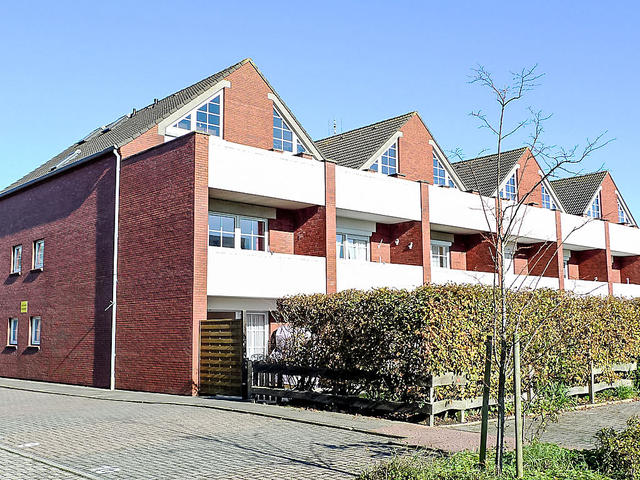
x: 479, y: 174
x: 127, y: 127
x: 353, y: 148
x: 575, y: 193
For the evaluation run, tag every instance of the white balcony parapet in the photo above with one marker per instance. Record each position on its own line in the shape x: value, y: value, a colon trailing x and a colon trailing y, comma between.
x: 379, y: 196
x: 453, y: 208
x: 365, y: 275
x: 259, y: 172
x: 531, y: 223
x: 624, y: 239
x: 242, y: 273
x: 628, y: 290
x: 442, y: 276
x: 586, y: 287
x: 583, y: 232
x: 524, y: 282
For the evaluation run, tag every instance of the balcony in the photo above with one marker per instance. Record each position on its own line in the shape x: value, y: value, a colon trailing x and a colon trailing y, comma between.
x: 460, y: 212
x: 582, y: 232
x: 442, y: 276
x: 586, y: 287
x: 253, y: 175
x: 242, y: 273
x: 366, y: 275
x: 624, y: 240
x: 370, y: 196
x: 628, y: 290
x: 532, y: 223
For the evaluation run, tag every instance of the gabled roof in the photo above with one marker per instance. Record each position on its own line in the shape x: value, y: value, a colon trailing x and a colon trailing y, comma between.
x: 575, y: 193
x: 128, y: 127
x: 353, y: 148
x: 479, y: 174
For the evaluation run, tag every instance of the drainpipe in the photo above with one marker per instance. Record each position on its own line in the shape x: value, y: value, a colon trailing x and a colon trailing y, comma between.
x: 115, y: 270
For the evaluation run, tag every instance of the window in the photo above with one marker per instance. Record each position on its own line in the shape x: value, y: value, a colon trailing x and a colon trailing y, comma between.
x: 16, y: 259
x: 34, y: 331
x: 387, y: 164
x: 38, y: 254
x: 12, y: 332
x: 547, y: 201
x: 594, y: 209
x: 510, y: 190
x: 440, y: 254
x: 440, y: 175
x: 622, y: 216
x: 252, y: 234
x: 352, y: 247
x: 222, y: 231
x: 283, y: 137
x: 257, y: 336
x: 237, y: 231
x: 208, y: 118
x: 566, y: 258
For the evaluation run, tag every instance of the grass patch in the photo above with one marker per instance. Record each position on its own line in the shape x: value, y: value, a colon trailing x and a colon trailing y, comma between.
x: 542, y: 461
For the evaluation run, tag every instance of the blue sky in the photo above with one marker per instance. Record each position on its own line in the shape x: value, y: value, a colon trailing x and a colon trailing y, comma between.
x: 68, y: 67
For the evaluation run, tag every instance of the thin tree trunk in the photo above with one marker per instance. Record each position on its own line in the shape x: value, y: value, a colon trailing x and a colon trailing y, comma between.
x: 502, y: 380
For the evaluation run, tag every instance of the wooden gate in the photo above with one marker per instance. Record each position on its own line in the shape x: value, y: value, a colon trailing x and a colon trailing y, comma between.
x: 221, y: 345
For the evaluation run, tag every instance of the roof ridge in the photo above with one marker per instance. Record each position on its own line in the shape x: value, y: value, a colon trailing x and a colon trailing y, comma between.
x: 489, y: 155
x: 414, y: 112
x: 575, y: 177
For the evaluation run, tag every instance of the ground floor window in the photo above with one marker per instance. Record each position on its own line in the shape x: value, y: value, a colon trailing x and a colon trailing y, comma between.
x: 440, y: 253
x: 13, y: 332
x: 34, y: 331
x: 352, y: 247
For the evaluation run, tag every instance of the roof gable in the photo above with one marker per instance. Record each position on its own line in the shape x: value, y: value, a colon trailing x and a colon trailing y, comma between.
x: 479, y: 174
x: 576, y: 193
x: 354, y: 148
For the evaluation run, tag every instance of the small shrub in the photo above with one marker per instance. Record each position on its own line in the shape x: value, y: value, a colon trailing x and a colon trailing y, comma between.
x: 618, y: 453
x: 624, y: 392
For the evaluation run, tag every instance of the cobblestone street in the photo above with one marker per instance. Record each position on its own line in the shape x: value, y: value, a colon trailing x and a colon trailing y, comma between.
x: 110, y: 439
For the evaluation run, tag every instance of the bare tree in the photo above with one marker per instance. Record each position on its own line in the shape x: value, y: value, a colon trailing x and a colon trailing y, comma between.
x: 505, y: 216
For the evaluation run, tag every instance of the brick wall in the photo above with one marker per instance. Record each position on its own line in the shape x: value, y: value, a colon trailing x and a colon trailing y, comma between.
x: 381, y: 243
x: 609, y: 199
x: 309, y: 236
x: 282, y: 230
x: 591, y: 264
x: 415, y: 152
x: 406, y: 233
x: 330, y: 225
x: 73, y: 213
x: 157, y: 275
x: 248, y: 112
x: 458, y: 253
x: 479, y: 253
x: 528, y: 175
x: 543, y: 259
x: 145, y: 141
x: 629, y: 268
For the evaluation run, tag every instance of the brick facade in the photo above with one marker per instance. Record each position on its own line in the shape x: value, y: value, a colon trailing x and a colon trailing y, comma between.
x: 592, y: 264
x: 73, y: 212
x: 480, y: 253
x: 528, y: 177
x: 415, y: 159
x: 543, y: 259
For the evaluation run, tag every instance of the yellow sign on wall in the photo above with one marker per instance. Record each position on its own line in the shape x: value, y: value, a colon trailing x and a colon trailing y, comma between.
x: 24, y: 307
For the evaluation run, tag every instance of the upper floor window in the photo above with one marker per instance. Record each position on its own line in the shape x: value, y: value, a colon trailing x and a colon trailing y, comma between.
x: 38, y: 254
x: 207, y: 118
x: 594, y: 210
x: 440, y: 252
x: 440, y: 175
x: 387, y: 164
x: 16, y: 259
x: 510, y: 189
x: 622, y: 214
x: 283, y: 138
x: 547, y: 201
x: 12, y: 334
x: 237, y: 231
x: 34, y: 331
x: 352, y: 247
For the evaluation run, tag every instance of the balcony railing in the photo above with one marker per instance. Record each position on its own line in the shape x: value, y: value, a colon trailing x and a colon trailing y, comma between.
x: 242, y: 273
x: 365, y: 275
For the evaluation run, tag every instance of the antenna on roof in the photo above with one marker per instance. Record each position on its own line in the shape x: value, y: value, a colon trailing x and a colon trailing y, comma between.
x: 335, y: 126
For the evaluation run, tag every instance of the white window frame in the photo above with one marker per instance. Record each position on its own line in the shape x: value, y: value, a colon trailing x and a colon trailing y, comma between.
x: 237, y: 235
x: 345, y: 237
x: 566, y: 256
x: 552, y: 203
x: 257, y: 335
x: 35, y: 333
x: 38, y: 263
x: 11, y: 341
x: 597, y: 198
x: 16, y: 253
x: 622, y: 206
x: 377, y: 165
x: 174, y: 130
x: 295, y: 139
x: 503, y: 190
x: 448, y: 182
x: 446, y: 246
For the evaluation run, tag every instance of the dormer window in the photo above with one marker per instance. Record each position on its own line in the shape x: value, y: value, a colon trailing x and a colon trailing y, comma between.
x: 510, y: 189
x: 594, y: 210
x: 547, y: 201
x: 622, y: 215
x: 387, y: 164
x: 440, y: 175
x: 207, y: 118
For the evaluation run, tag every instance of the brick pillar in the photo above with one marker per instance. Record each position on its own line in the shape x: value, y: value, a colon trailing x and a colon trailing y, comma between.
x: 559, y: 250
x: 426, y: 232
x: 330, y: 224
x: 609, y: 258
x: 200, y: 248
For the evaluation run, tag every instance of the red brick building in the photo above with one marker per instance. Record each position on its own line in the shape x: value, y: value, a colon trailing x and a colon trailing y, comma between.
x: 149, y: 255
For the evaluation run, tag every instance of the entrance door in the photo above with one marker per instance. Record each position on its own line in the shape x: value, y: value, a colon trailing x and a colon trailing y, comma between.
x: 257, y: 336
x: 221, y: 354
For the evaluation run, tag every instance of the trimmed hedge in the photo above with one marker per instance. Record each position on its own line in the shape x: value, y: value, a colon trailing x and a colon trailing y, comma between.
x: 406, y: 335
